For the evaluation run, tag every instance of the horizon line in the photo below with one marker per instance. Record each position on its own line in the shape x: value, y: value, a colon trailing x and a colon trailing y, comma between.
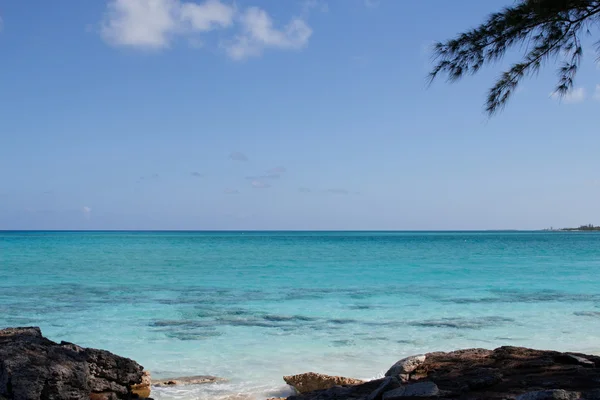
x: 276, y: 230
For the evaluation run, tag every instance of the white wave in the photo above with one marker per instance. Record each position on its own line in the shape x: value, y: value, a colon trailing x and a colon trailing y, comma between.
x: 221, y: 391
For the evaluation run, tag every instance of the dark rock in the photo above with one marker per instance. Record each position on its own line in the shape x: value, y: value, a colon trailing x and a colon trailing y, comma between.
x: 357, y: 392
x: 483, y: 378
x: 333, y: 393
x: 388, y: 384
x: 33, y: 367
x: 421, y: 389
x: 575, y: 360
x: 475, y: 374
x: 557, y: 394
x: 592, y: 394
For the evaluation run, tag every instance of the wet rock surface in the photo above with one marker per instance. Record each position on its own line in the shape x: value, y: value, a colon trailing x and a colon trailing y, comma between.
x: 507, y: 373
x: 33, y: 367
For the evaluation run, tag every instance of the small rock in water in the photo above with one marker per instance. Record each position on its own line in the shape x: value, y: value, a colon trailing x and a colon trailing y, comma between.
x: 421, y: 389
x: 406, y: 365
x: 187, y: 380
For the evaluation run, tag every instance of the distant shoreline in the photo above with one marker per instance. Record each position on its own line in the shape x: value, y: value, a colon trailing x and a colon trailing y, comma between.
x: 582, y: 228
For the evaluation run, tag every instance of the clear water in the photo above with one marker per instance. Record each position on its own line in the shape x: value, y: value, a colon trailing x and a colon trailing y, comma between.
x: 252, y: 306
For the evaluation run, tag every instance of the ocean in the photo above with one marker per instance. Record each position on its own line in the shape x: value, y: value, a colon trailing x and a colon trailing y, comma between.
x: 254, y: 306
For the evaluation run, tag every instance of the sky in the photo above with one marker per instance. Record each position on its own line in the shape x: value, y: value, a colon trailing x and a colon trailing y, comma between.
x: 264, y: 114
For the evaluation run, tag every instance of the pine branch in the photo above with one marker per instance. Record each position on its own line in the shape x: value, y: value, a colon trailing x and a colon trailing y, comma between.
x: 548, y: 27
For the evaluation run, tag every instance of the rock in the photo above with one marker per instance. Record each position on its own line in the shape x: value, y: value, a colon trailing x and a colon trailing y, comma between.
x: 476, y: 374
x: 421, y: 389
x: 144, y: 388
x: 593, y: 395
x: 575, y: 359
x: 311, y: 381
x: 356, y: 392
x: 484, y: 378
x: 558, y: 394
x: 388, y: 384
x: 33, y: 367
x: 406, y: 365
x: 333, y: 393
x: 187, y: 380
x: 102, y: 396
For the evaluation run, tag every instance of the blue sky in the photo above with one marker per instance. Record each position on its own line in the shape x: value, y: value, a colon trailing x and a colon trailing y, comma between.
x: 263, y: 114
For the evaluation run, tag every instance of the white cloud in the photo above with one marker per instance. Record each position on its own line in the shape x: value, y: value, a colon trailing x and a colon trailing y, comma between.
x: 207, y: 16
x: 140, y: 23
x: 274, y: 173
x: 260, y: 185
x: 271, y: 176
x: 153, y: 23
x: 260, y: 34
x: 87, y: 212
x: 576, y: 95
x: 596, y: 95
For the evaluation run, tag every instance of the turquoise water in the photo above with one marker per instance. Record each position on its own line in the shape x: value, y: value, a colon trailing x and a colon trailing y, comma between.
x: 253, y: 306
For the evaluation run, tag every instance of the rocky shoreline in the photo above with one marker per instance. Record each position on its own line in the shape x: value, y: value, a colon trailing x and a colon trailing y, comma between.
x: 505, y: 373
x: 33, y: 367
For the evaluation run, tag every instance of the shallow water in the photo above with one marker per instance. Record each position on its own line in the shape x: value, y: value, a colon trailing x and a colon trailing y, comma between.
x: 253, y: 306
